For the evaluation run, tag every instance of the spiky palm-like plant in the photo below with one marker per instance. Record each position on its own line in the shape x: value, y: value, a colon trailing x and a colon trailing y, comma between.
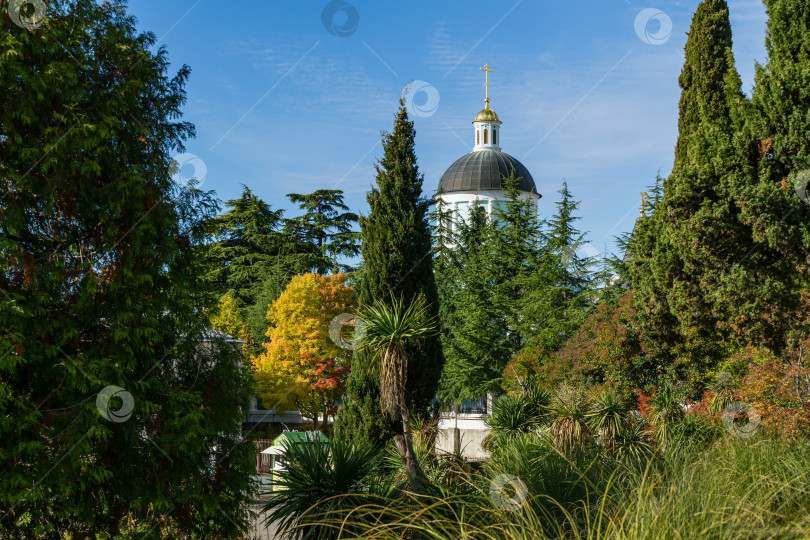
x: 386, y: 329
x: 319, y: 481
x: 607, y: 416
x: 570, y: 430
x: 632, y: 442
x: 513, y: 415
x: 723, y: 389
x: 537, y: 395
x: 667, y: 412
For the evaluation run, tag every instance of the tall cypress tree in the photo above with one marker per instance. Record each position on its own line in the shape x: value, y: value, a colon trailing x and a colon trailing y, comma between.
x: 397, y: 262
x: 774, y: 271
x: 685, y: 250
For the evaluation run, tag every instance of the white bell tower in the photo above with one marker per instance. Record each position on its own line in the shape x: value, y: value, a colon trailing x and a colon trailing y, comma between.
x: 487, y: 124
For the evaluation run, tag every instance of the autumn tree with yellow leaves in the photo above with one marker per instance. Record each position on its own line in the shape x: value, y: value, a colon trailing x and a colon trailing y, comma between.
x: 302, y: 367
x: 227, y: 318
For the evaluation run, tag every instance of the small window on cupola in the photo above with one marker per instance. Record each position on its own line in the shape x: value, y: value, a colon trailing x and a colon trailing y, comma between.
x: 494, y: 136
x: 477, y: 137
x: 485, y: 136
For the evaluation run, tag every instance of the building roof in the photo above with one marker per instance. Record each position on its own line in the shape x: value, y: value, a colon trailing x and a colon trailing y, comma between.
x: 484, y: 170
x: 486, y: 115
x: 212, y: 334
x: 294, y: 437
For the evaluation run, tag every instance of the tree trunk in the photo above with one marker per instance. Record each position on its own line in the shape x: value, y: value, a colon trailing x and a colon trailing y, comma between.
x: 404, y: 443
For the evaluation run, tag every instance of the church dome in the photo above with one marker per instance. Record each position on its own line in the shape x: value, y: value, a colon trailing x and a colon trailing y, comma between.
x: 486, y: 115
x: 484, y: 170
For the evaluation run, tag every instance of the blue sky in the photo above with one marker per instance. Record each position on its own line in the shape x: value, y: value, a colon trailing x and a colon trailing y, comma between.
x: 284, y: 102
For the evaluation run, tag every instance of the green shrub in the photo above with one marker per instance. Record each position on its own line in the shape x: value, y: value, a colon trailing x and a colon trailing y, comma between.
x: 319, y: 483
x: 513, y: 415
x: 569, y: 429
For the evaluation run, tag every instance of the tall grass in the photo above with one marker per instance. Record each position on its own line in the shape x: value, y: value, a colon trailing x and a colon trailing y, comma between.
x: 734, y: 488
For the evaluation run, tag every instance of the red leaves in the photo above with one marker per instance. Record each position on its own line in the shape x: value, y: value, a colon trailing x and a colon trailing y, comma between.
x: 326, y: 375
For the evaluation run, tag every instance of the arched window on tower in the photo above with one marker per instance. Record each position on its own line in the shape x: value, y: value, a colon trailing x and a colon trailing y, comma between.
x: 485, y: 135
x: 494, y: 135
x: 477, y: 136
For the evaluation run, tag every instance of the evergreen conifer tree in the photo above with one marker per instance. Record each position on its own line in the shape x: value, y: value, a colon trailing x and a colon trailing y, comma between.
x: 397, y: 263
x: 475, y: 341
x: 560, y: 291
x: 514, y: 248
x: 254, y: 255
x: 484, y: 291
x: 684, y: 251
x: 773, y: 272
x: 326, y: 224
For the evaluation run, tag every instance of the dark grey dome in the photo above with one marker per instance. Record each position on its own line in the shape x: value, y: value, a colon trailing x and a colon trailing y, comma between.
x: 484, y: 169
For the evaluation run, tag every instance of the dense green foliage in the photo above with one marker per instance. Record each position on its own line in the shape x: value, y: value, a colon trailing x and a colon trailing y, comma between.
x: 686, y: 249
x: 323, y: 226
x: 322, y: 477
x: 619, y: 483
x: 481, y: 278
x: 771, y: 207
x: 397, y: 263
x: 505, y: 282
x: 252, y: 257
x: 677, y: 409
x: 254, y: 251
x: 608, y: 347
x: 559, y: 297
x: 720, y: 260
x: 100, y: 289
x: 628, y: 414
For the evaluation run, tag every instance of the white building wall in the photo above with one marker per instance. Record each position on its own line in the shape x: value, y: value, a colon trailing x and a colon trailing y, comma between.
x: 455, y: 201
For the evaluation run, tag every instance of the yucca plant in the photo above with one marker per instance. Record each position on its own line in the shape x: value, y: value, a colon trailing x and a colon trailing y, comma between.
x: 387, y: 329
x: 513, y: 415
x: 425, y: 430
x: 723, y: 389
x: 632, y: 444
x: 607, y: 416
x: 537, y: 395
x: 570, y: 430
x: 667, y: 412
x: 320, y: 480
